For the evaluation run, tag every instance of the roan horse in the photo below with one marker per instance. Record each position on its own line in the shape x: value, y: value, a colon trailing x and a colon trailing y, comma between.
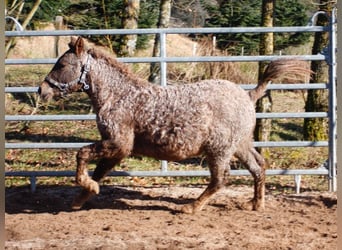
x: 214, y: 118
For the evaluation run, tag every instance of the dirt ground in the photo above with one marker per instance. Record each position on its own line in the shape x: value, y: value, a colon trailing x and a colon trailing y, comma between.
x: 148, y: 218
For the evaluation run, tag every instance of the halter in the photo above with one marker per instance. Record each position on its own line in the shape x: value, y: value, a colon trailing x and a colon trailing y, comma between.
x: 63, y: 87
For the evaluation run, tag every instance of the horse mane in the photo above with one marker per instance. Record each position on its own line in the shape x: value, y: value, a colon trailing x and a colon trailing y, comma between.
x: 121, y: 67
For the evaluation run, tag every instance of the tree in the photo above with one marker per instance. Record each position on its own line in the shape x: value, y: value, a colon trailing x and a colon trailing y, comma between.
x: 129, y: 21
x: 263, y: 126
x: 11, y: 43
x: 315, y: 128
x: 164, y: 19
x: 246, y: 13
x: 109, y: 14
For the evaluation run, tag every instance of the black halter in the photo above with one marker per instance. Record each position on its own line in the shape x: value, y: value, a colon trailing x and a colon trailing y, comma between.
x: 63, y: 87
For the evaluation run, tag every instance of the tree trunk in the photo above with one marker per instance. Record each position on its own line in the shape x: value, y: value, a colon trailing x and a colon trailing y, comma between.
x: 315, y: 129
x: 164, y: 19
x: 263, y: 126
x: 107, y: 37
x: 129, y: 21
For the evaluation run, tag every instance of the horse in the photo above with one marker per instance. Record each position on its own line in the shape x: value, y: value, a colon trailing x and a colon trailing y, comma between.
x: 212, y: 118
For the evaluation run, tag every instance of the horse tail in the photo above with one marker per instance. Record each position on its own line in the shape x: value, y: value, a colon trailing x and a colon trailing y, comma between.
x: 292, y: 69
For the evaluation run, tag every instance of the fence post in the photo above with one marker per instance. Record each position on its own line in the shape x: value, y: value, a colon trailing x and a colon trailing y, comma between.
x: 58, y: 26
x: 331, y: 58
x: 163, y: 76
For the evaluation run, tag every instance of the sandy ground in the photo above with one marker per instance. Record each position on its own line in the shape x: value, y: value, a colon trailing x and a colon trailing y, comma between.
x: 148, y: 218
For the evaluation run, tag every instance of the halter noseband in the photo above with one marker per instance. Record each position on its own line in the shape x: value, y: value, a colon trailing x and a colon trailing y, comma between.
x: 63, y: 87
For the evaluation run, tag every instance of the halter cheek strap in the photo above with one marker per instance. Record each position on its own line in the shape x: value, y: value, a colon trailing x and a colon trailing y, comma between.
x: 86, y: 69
x: 63, y: 87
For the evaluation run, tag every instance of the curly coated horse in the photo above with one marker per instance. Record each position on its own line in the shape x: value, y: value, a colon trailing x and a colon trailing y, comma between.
x: 214, y: 118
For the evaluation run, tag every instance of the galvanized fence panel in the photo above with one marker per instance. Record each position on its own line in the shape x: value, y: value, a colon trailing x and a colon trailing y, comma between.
x: 328, y: 168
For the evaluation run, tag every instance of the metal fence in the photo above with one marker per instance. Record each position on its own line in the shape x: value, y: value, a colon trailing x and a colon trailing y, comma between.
x: 328, y: 168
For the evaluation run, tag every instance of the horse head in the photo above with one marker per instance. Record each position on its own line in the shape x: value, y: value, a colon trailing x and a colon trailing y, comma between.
x: 69, y: 74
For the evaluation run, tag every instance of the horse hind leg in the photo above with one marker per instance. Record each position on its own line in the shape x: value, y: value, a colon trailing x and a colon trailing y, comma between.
x: 219, y: 171
x: 255, y: 163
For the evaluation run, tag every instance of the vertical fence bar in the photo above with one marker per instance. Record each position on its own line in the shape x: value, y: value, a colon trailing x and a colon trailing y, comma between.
x: 163, y: 76
x: 332, y: 102
x: 33, y: 184
x: 298, y: 179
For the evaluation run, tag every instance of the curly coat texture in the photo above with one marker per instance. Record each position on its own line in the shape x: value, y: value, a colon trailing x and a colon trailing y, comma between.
x: 214, y: 118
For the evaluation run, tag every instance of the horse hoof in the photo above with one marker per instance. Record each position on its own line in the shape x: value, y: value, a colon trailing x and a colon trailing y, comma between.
x: 252, y: 205
x: 94, y: 187
x: 82, y: 198
x: 189, y: 209
x: 248, y: 206
x: 259, y: 207
x: 76, y: 205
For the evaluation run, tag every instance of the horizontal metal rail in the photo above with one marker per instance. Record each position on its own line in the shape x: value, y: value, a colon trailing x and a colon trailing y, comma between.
x: 77, y: 145
x: 50, y: 117
x: 297, y: 173
x: 187, y: 59
x: 291, y: 115
x: 168, y: 31
x: 288, y: 86
x: 93, y: 116
x: 21, y: 89
x: 298, y: 86
x: 316, y: 171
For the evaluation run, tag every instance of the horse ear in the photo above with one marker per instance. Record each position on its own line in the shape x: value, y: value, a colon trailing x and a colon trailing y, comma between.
x: 79, y: 46
x: 72, y: 42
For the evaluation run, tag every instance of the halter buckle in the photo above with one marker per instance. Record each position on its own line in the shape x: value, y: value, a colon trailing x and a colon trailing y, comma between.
x: 85, y: 86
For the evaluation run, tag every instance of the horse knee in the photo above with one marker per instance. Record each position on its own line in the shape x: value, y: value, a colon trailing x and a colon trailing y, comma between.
x: 83, y: 153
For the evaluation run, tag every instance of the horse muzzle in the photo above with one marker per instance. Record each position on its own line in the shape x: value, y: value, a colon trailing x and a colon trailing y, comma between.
x: 47, y: 93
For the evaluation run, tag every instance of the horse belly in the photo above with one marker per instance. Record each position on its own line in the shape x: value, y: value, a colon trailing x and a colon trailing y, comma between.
x: 166, y: 147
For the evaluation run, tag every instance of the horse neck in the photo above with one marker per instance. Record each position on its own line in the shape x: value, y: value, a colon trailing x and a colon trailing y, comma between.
x: 112, y: 81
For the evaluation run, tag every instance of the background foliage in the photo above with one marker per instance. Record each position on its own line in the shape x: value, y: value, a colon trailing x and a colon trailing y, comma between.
x: 95, y: 14
x: 247, y: 13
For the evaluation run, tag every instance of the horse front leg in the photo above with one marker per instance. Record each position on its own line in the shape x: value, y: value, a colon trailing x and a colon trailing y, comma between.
x: 102, y: 168
x: 109, y: 153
